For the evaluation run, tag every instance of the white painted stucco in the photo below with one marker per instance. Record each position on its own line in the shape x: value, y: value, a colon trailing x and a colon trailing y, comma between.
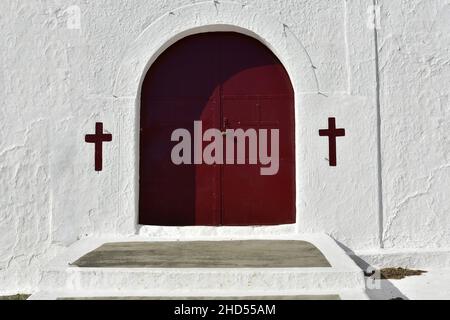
x: 56, y: 82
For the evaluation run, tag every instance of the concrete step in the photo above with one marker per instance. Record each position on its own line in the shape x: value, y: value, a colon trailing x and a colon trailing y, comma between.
x: 305, y: 295
x: 342, y: 274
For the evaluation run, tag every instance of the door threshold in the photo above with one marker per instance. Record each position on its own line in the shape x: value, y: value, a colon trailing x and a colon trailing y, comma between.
x: 213, y: 232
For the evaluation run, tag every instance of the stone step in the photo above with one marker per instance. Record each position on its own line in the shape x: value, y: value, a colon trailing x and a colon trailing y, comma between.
x: 98, y: 266
x: 237, y: 296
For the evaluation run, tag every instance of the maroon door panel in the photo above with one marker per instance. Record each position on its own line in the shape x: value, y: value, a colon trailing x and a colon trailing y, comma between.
x: 227, y: 81
x: 248, y: 195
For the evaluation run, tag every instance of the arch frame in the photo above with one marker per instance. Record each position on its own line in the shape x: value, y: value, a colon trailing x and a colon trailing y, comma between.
x: 211, y: 16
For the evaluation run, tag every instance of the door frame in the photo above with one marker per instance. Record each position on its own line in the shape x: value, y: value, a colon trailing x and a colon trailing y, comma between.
x: 155, y: 39
x: 220, y: 204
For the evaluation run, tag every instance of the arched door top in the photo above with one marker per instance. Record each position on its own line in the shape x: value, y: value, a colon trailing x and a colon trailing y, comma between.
x: 198, y: 18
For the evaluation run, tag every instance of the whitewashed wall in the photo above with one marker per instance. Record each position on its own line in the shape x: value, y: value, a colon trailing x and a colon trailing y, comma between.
x: 414, y: 58
x: 56, y: 82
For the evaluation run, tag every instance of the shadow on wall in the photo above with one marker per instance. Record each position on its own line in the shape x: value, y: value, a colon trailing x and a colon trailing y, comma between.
x: 377, y: 289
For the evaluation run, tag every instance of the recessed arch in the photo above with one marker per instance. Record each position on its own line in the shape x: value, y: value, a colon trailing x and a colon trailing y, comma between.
x: 170, y: 28
x: 197, y: 18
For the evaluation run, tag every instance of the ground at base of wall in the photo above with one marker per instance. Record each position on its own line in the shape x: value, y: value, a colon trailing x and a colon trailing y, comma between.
x: 18, y: 296
x: 432, y: 285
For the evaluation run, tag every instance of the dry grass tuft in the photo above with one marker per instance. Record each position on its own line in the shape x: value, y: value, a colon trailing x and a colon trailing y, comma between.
x: 399, y: 273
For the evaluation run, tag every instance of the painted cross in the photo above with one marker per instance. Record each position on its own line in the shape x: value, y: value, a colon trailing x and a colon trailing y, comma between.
x: 332, y: 133
x: 98, y: 138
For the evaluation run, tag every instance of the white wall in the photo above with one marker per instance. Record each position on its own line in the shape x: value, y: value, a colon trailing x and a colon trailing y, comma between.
x: 414, y: 58
x: 55, y: 83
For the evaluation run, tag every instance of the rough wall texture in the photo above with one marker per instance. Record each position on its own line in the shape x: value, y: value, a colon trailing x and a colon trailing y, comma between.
x: 414, y: 59
x: 55, y: 82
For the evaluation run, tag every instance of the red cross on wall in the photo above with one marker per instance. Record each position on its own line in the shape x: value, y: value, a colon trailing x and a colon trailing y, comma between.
x: 332, y: 133
x: 98, y: 138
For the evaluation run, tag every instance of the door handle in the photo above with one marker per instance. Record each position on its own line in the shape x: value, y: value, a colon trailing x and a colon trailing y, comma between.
x: 225, y: 123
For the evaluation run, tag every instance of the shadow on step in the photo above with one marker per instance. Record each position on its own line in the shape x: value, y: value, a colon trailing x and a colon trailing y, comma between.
x: 378, y: 289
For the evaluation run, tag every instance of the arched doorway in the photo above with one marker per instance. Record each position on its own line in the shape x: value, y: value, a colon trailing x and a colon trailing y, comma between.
x: 228, y: 81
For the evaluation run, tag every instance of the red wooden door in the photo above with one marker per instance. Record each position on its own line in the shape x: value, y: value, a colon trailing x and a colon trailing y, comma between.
x: 227, y: 81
